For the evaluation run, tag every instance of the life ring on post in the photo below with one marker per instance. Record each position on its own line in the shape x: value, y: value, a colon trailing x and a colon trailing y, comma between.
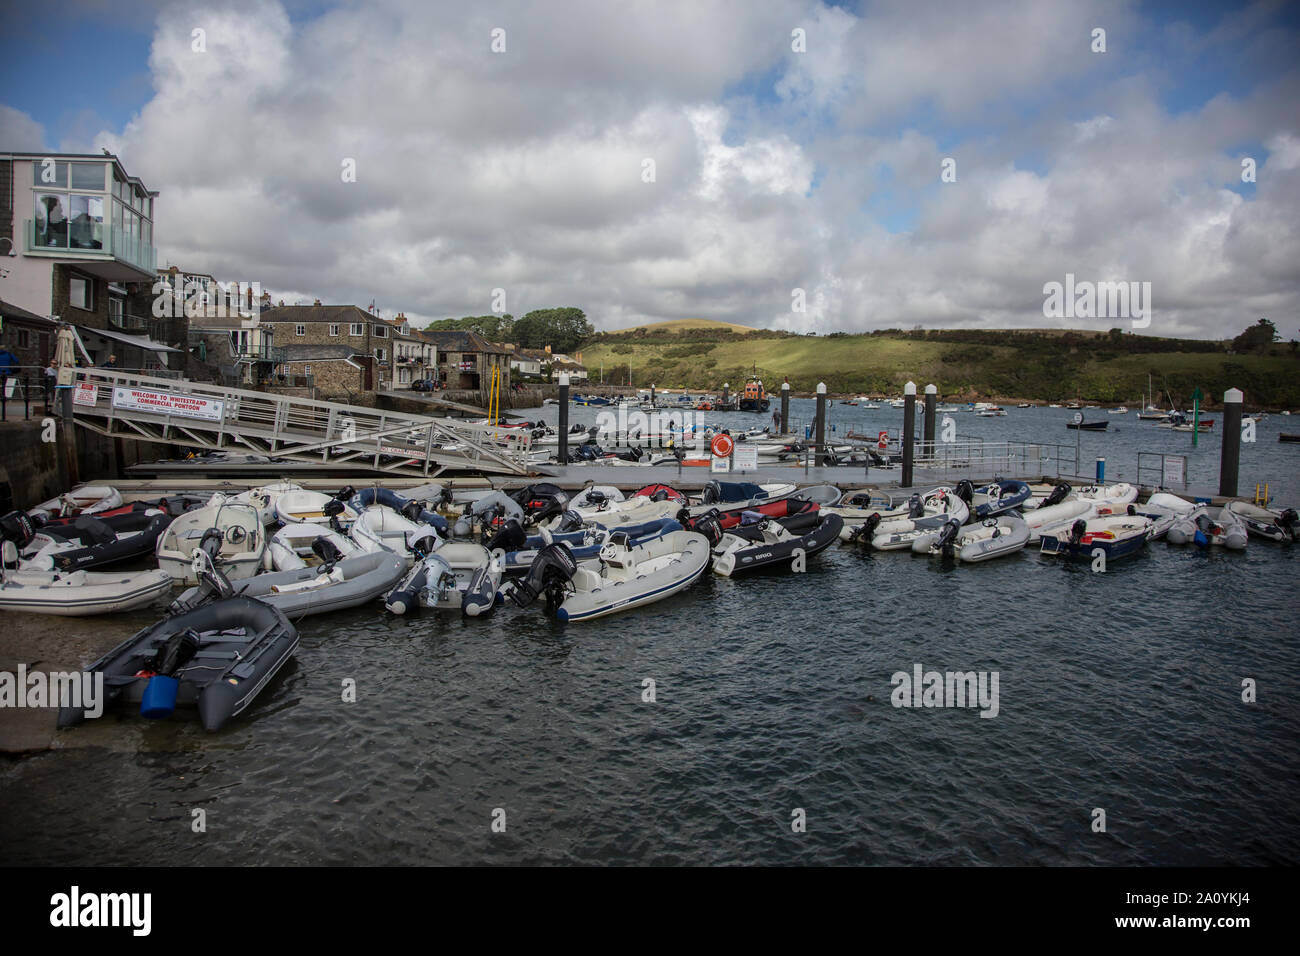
x: 723, y: 446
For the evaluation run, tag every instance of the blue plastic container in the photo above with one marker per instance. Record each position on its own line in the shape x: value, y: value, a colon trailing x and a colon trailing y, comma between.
x: 159, y: 699
x: 1101, y: 471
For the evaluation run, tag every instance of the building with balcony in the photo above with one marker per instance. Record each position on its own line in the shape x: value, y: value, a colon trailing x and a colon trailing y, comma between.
x: 413, y: 358
x: 81, y: 230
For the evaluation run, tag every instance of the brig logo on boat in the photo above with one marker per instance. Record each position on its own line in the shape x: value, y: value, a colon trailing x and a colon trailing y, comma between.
x: 54, y: 689
x: 75, y: 909
x: 1098, y: 300
x: 922, y: 688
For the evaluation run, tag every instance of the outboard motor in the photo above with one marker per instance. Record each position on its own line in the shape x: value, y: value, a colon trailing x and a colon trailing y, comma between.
x: 570, y: 521
x: 1289, y: 522
x: 867, y: 529
x: 709, y: 527
x: 412, y: 511
x: 965, y: 491
x: 1058, y: 495
x: 712, y: 493
x: 426, y: 583
x: 333, y: 508
x: 346, y: 493
x: 1078, y: 530
x: 947, y: 540
x: 210, y: 543
x: 915, y: 507
x: 17, y: 527
x: 511, y: 537
x: 662, y: 495
x: 327, y: 551
x: 550, y: 571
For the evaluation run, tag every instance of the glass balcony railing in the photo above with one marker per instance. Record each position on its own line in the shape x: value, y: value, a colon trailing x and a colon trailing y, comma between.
x: 88, y: 239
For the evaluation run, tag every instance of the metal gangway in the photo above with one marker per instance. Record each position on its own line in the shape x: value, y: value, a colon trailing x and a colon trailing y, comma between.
x: 217, y: 418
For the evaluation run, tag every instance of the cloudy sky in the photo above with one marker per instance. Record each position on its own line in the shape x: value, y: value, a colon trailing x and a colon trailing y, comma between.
x: 795, y: 145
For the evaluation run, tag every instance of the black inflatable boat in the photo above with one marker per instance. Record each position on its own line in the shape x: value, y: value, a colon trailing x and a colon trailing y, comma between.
x: 105, y: 541
x: 218, y: 657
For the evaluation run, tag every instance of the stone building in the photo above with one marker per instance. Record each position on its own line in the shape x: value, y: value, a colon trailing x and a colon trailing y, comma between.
x: 359, y: 342
x: 465, y: 360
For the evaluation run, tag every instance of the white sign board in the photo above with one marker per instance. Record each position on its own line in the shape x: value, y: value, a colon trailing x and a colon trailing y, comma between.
x: 744, y: 459
x: 719, y: 464
x: 412, y: 453
x: 167, y: 403
x: 1173, y: 471
x: 85, y: 393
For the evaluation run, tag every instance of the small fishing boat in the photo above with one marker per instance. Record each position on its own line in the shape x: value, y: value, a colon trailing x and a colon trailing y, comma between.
x: 623, y: 578
x: 1098, y: 426
x: 458, y: 576
x: 1024, y: 405
x: 993, y: 537
x: 218, y: 657
x: 86, y: 500
x: 301, y: 545
x: 1203, y: 527
x: 315, y: 507
x: 1279, y: 526
x: 763, y: 543
x: 1116, y: 536
x: 232, y: 535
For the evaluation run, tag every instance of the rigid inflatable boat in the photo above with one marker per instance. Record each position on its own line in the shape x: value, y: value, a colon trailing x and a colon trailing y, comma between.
x: 1205, y: 527
x: 218, y: 657
x: 93, y: 542
x: 315, y: 507
x: 415, y: 509
x: 301, y: 545
x: 783, y: 509
x: 313, y: 590
x: 458, y: 576
x: 380, y: 528
x: 623, y: 578
x: 263, y: 498
x: 491, y: 509
x: 1101, y: 495
x: 992, y: 538
x: 86, y: 500
x: 519, y: 552
x: 895, y: 531
x: 75, y: 593
x: 1263, y: 523
x: 763, y: 542
x: 993, y: 499
x: 231, y: 533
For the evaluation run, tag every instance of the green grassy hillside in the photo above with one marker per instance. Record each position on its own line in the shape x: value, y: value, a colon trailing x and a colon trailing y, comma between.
x: 1046, y: 368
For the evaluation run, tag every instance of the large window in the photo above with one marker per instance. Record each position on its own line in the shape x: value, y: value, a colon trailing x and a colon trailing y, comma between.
x: 381, y: 332
x: 81, y: 293
x: 75, y: 203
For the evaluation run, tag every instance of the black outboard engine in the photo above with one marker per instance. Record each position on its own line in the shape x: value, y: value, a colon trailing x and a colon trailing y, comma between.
x: 660, y: 495
x: 948, y: 537
x: 965, y: 490
x: 345, y: 493
x: 17, y: 527
x: 333, y: 508
x: 867, y: 528
x: 175, y: 653
x: 550, y: 571
x: 1057, y: 496
x: 1289, y: 522
x: 210, y: 543
x: 576, y: 430
x: 1078, y: 530
x: 412, y: 510
x: 327, y: 551
x: 510, y: 537
x: 712, y: 493
x: 860, y: 500
x: 709, y: 527
x: 915, y: 507
x: 570, y: 521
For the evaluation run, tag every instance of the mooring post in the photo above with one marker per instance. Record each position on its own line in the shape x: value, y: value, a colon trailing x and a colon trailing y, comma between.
x: 931, y: 398
x: 785, y: 409
x: 726, y: 392
x: 909, y: 431
x: 564, y: 418
x: 821, y: 424
x: 1101, y: 471
x: 652, y: 395
x: 1230, y: 455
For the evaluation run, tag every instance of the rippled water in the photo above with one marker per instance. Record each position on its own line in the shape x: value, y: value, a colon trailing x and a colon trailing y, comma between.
x: 1119, y: 691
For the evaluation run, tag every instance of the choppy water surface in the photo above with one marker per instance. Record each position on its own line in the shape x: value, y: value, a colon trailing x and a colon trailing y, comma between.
x: 1119, y: 691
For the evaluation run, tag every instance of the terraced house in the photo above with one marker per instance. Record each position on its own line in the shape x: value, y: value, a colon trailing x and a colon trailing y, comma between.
x: 334, y: 348
x: 466, y: 360
x: 414, y: 359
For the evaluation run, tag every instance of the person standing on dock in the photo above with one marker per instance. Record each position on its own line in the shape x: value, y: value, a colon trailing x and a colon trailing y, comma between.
x: 776, y: 422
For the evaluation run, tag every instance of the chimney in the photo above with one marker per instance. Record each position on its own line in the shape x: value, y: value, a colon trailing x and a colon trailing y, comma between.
x: 250, y: 297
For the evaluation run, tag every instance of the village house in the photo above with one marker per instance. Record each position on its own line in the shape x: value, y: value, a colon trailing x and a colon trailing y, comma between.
x: 414, y: 358
x: 465, y: 360
x: 77, y: 246
x: 334, y: 348
x: 527, y: 362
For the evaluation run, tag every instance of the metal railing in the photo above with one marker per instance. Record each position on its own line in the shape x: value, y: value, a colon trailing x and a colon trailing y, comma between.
x: 214, y: 417
x: 95, y: 240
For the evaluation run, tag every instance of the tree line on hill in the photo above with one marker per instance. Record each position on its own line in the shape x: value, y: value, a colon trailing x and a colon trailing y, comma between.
x: 563, y: 329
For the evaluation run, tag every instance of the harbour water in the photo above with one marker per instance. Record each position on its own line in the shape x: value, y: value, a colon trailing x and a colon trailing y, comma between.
x: 1119, y: 691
